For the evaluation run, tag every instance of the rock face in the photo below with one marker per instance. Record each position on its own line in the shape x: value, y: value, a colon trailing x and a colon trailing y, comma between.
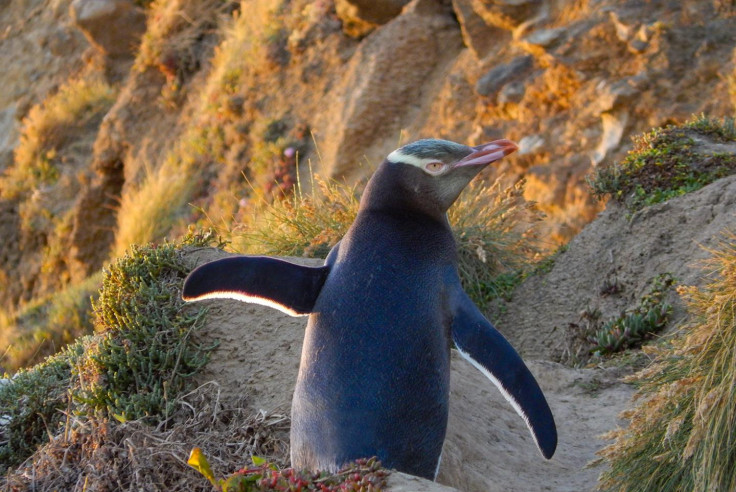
x: 572, y: 83
x: 359, y: 17
x: 112, y: 26
x: 380, y: 92
x: 493, y: 82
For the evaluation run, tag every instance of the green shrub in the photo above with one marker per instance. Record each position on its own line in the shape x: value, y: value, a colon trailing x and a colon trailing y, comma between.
x: 681, y: 435
x: 668, y: 162
x: 135, y: 367
x: 31, y: 406
x: 144, y: 354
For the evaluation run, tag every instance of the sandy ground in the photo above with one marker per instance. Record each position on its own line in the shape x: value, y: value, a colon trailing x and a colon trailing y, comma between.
x: 488, y: 446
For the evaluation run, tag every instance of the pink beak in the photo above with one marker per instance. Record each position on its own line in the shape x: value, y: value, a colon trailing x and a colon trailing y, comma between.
x: 487, y: 153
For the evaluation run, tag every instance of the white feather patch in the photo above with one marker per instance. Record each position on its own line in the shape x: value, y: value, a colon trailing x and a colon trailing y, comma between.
x: 504, y: 392
x: 437, y: 470
x: 239, y: 296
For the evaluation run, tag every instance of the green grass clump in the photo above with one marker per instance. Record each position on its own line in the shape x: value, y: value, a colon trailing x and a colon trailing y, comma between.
x: 493, y: 228
x: 46, y: 325
x: 682, y: 435
x: 632, y: 328
x: 145, y: 353
x: 496, y: 242
x: 668, y: 162
x: 31, y: 406
x: 301, y: 224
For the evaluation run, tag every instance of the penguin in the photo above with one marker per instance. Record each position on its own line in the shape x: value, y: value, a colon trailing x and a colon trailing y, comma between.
x: 384, y: 311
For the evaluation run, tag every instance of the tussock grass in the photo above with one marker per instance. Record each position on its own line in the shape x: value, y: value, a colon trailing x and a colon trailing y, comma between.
x: 668, y: 162
x: 681, y: 435
x: 493, y: 227
x: 497, y: 244
x: 301, y: 224
x: 46, y: 325
x: 150, y: 210
x: 48, y: 129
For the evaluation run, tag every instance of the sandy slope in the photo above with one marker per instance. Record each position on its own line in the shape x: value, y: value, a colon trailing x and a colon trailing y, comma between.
x: 488, y: 446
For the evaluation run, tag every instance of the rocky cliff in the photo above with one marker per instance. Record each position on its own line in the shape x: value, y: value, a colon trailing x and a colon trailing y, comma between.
x: 200, y: 92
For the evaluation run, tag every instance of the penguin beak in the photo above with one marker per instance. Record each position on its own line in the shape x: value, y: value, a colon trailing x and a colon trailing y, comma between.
x: 487, y: 153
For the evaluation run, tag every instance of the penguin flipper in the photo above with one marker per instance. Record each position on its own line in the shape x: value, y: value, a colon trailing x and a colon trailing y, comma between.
x: 285, y: 286
x: 485, y: 348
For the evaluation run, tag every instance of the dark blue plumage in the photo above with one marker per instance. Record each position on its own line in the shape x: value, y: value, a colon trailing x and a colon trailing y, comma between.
x: 375, y: 367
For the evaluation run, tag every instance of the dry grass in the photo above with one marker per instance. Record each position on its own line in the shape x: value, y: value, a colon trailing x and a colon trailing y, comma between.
x: 494, y: 227
x: 302, y: 224
x: 682, y: 436
x: 50, y: 127
x: 109, y: 455
x: 150, y: 210
x: 44, y: 326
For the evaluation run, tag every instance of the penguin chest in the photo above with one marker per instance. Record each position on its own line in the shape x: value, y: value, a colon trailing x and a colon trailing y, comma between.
x: 374, y: 373
x: 378, y: 327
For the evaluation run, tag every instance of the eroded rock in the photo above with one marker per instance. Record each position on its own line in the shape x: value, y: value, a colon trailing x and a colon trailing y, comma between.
x: 360, y: 17
x: 112, y: 26
x: 491, y: 83
x: 384, y: 84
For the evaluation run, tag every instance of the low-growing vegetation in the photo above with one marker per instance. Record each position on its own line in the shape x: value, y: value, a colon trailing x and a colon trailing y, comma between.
x: 140, y: 360
x: 46, y: 325
x: 363, y: 475
x: 31, y: 406
x: 668, y: 162
x: 145, y: 352
x: 595, y: 338
x: 632, y: 328
x: 681, y: 434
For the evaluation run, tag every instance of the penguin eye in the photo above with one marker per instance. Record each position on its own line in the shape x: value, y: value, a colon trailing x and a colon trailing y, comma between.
x: 434, y: 167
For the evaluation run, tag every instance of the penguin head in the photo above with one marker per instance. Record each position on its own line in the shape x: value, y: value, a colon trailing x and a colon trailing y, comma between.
x: 432, y: 173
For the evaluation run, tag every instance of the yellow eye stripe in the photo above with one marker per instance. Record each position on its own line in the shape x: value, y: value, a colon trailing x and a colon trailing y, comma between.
x: 397, y: 156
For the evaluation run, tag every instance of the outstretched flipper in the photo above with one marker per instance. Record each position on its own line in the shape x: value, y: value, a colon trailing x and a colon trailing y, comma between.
x: 484, y: 347
x: 279, y: 284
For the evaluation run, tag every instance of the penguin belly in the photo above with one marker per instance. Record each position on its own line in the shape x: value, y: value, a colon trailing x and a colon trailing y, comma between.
x: 374, y: 377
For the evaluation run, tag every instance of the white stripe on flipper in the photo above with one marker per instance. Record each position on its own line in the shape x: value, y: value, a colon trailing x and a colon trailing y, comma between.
x: 437, y: 470
x: 512, y: 401
x: 238, y: 296
x: 398, y: 156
